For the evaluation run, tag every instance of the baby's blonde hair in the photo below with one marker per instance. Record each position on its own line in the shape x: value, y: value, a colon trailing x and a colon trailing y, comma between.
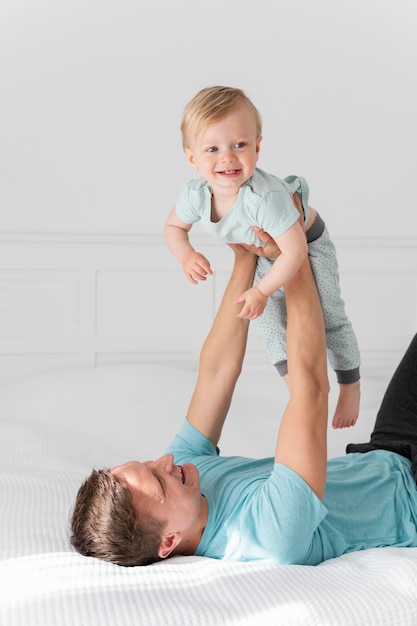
x: 210, y: 105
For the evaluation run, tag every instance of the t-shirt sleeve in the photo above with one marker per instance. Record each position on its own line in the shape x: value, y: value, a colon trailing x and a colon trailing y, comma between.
x: 286, y: 515
x: 190, y: 202
x: 189, y: 443
x: 276, y: 213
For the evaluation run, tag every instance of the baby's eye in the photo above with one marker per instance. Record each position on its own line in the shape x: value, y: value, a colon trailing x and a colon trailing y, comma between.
x: 240, y: 144
x: 212, y: 149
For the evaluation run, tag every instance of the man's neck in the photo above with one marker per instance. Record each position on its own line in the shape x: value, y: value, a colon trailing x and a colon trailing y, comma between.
x: 189, y: 543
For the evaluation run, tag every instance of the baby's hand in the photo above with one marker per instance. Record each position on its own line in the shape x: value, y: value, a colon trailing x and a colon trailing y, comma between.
x: 196, y: 267
x: 254, y: 303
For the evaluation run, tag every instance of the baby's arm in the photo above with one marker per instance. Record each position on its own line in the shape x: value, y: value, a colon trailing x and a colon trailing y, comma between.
x: 293, y: 247
x: 294, y: 250
x: 195, y: 266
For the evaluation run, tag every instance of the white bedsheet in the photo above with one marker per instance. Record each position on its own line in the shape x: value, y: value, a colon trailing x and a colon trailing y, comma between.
x: 55, y: 427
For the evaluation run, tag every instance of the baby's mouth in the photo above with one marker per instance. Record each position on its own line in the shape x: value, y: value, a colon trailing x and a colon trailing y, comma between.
x: 230, y: 172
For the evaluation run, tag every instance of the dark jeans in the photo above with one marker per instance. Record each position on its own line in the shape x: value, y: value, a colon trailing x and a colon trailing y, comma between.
x: 396, y: 422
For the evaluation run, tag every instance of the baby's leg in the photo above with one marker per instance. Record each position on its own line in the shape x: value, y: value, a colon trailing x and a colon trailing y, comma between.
x: 271, y: 326
x: 342, y: 346
x: 347, y: 408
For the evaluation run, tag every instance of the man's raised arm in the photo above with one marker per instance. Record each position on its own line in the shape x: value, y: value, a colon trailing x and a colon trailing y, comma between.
x: 222, y: 354
x: 302, y: 436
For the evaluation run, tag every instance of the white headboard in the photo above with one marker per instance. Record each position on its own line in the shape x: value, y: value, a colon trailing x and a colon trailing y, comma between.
x: 89, y: 300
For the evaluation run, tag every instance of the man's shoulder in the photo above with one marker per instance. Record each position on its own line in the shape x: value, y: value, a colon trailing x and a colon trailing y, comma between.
x: 190, y: 442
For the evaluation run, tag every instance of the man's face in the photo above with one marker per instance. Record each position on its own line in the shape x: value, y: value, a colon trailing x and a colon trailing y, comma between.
x: 166, y: 492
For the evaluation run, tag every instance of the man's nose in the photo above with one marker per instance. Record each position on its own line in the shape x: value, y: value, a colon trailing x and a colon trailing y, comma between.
x: 166, y: 462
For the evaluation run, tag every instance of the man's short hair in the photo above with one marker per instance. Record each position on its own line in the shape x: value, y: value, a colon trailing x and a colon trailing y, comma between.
x: 105, y: 523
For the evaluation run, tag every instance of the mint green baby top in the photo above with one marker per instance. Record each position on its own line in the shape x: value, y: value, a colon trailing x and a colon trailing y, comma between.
x: 264, y: 201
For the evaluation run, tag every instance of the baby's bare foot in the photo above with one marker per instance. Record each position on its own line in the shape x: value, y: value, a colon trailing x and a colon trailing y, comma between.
x: 347, y: 409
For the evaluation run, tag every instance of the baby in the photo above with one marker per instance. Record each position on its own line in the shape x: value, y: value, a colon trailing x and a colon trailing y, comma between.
x: 222, y: 133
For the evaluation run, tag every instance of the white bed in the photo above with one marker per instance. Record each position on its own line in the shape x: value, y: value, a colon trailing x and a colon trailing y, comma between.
x: 56, y: 426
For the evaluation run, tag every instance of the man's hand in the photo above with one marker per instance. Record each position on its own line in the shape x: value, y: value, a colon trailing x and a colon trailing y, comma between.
x: 241, y: 249
x: 270, y: 250
x: 196, y: 267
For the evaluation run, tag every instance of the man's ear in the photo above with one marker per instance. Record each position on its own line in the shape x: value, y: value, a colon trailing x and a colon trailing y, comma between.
x: 168, y: 544
x: 190, y: 158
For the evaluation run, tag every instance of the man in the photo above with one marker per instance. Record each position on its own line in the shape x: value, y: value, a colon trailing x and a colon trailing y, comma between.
x: 194, y: 501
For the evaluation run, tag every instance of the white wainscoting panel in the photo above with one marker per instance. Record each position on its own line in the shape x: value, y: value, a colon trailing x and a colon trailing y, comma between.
x: 72, y: 300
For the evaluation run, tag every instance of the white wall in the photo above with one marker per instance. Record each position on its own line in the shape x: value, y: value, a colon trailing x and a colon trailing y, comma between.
x: 92, y: 93
x: 91, y: 96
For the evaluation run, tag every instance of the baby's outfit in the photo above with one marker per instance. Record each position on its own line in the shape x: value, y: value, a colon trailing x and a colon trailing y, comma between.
x: 265, y: 201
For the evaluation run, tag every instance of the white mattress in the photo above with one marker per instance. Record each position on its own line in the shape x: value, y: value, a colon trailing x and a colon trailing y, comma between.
x: 55, y: 427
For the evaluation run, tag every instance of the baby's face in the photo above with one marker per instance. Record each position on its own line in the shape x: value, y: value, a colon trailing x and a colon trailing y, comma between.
x: 226, y: 152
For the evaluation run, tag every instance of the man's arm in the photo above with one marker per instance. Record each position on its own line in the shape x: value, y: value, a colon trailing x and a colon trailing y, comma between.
x: 222, y: 354
x: 302, y: 436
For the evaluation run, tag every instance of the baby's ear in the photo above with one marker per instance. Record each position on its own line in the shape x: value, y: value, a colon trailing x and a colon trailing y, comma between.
x: 258, y: 143
x: 190, y: 158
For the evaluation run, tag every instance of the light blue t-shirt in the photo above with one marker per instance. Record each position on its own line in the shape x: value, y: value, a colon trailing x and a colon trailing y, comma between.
x: 264, y: 201
x: 261, y: 510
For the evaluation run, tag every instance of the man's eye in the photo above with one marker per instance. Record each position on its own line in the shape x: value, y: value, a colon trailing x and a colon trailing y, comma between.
x: 161, y: 483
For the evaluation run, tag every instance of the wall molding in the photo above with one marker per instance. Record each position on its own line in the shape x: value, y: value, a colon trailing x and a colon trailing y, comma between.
x: 91, y: 299
x: 155, y: 238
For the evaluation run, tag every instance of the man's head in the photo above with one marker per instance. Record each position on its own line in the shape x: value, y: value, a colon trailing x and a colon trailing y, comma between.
x: 138, y: 513
x: 106, y: 525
